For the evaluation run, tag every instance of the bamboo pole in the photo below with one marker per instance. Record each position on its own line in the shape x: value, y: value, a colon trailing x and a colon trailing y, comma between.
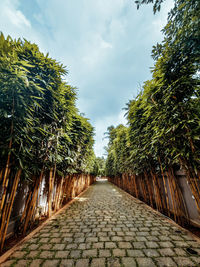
x: 1, y: 174
x: 149, y: 189
x: 165, y: 187
x: 172, y: 196
x: 12, y: 197
x: 33, y: 201
x: 135, y: 185
x: 50, y: 191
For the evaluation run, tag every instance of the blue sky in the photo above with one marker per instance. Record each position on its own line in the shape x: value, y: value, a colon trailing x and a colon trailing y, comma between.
x: 105, y: 45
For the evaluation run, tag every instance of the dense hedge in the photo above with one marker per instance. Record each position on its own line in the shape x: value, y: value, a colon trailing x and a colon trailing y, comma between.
x: 42, y: 132
x: 163, y: 130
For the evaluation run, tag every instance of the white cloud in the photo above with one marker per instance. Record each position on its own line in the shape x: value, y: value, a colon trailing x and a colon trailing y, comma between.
x: 12, y: 17
x: 105, y: 44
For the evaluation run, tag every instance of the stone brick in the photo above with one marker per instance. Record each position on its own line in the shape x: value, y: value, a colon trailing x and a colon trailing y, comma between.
x: 58, y: 247
x: 104, y: 253
x: 7, y: 263
x: 129, y: 262
x: 98, y: 245
x: 50, y: 263
x: 151, y: 244
x: 72, y: 246
x: 119, y: 252
x: 22, y: 263
x: 75, y: 254
x: 113, y: 262
x: 62, y: 254
x: 138, y: 244
x: 18, y: 254
x: 36, y: 263
x: 45, y: 240
x: 183, y: 261
x: 166, y: 252
x: 151, y: 252
x: 135, y: 253
x: 33, y: 254
x: 124, y: 245
x: 110, y: 245
x: 82, y: 263
x: 181, y: 244
x: 46, y: 254
x: 165, y: 261
x: 67, y: 263
x: 166, y: 244
x: 97, y: 262
x: 89, y: 253
x: 145, y: 262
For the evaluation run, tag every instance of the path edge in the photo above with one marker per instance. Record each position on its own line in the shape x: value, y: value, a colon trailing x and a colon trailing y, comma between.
x: 8, y: 253
x: 160, y: 214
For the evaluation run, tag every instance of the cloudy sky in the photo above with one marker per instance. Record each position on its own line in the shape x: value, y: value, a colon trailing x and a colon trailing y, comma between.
x: 105, y: 45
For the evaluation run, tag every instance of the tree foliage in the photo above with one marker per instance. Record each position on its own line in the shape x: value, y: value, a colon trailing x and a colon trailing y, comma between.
x: 164, y: 119
x: 40, y: 124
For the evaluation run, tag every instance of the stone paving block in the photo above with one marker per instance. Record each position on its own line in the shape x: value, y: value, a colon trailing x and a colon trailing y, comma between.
x: 45, y: 240
x: 128, y: 262
x: 82, y: 263
x: 152, y: 244
x: 72, y: 246
x: 46, y: 254
x: 128, y: 238
x: 166, y: 244
x: 84, y: 246
x: 196, y: 260
x: 181, y: 244
x: 145, y: 262
x: 104, y: 253
x: 119, y: 252
x: 151, y: 252
x: 90, y: 253
x: 113, y: 262
x: 97, y: 262
x: 18, y: 254
x: 124, y: 245
x: 135, y: 253
x: 75, y: 254
x: 50, y: 263
x: 183, y: 261
x: 58, y: 247
x: 33, y: 254
x: 98, y: 245
x: 22, y: 263
x: 7, y: 263
x: 54, y: 240
x: 166, y: 262
x: 46, y: 246
x: 166, y: 252
x: 139, y: 245
x: 36, y: 263
x: 140, y: 238
x: 110, y: 245
x: 104, y: 239
x: 62, y: 254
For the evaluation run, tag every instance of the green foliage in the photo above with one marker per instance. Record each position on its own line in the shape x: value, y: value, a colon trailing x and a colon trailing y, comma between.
x: 40, y: 124
x: 164, y: 119
x: 156, y: 4
x: 99, y: 166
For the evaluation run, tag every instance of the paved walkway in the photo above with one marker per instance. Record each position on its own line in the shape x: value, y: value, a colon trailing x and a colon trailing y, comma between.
x: 107, y: 227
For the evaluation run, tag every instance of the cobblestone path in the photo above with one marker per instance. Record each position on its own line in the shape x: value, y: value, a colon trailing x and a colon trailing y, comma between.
x: 107, y: 227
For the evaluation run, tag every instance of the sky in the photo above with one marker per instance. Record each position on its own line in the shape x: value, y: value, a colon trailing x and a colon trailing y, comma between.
x: 104, y: 44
